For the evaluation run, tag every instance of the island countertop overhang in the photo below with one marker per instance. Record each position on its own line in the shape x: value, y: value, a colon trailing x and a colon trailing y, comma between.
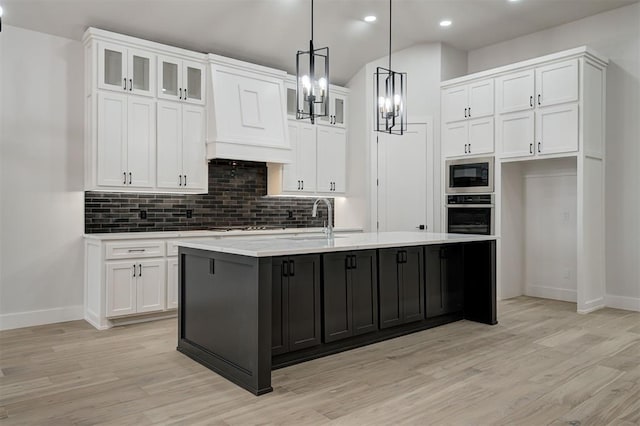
x: 286, y: 246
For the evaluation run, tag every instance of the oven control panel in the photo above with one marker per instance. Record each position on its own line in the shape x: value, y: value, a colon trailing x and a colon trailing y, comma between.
x: 470, y: 199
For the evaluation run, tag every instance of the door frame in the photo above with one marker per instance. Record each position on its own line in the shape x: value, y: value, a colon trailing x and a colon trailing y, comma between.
x: 432, y: 174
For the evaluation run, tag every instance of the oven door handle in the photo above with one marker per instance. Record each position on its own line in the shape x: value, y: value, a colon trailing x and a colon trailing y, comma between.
x: 470, y: 206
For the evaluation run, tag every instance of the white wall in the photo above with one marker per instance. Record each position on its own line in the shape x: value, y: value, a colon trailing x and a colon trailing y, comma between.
x: 41, y: 178
x: 615, y: 34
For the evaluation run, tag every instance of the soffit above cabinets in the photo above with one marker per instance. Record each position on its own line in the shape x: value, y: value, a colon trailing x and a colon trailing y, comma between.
x: 252, y: 30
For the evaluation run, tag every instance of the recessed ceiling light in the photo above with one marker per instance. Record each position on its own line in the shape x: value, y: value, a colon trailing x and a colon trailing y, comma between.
x: 445, y: 23
x: 370, y: 18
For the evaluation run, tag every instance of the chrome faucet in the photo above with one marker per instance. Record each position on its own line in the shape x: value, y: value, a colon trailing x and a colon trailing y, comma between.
x: 329, y: 228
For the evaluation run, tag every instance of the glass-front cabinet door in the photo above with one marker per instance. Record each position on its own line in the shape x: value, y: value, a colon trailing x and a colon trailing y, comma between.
x: 193, y: 82
x: 170, y: 78
x: 141, y: 72
x: 112, y: 67
x: 339, y: 110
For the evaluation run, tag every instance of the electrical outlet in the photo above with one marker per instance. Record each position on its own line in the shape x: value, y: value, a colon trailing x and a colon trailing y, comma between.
x: 143, y: 214
x: 290, y: 214
x: 189, y: 213
x: 567, y: 274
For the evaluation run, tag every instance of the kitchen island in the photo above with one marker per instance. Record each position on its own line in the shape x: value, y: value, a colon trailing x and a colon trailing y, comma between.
x: 249, y: 306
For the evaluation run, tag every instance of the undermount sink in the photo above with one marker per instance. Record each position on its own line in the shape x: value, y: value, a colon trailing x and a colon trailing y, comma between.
x: 312, y: 237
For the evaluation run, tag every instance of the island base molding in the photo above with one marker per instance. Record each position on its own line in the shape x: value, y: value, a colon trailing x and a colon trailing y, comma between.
x: 226, y: 311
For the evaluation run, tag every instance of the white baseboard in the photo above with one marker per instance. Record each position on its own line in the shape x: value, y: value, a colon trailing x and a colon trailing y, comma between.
x: 554, y: 293
x: 622, y: 302
x: 45, y: 316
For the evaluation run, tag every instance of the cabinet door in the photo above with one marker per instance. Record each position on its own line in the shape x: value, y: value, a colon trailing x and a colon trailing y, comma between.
x: 364, y: 292
x: 434, y: 281
x: 480, y: 99
x: 194, y: 156
x: 338, y: 149
x: 290, y: 89
x: 306, y: 157
x: 169, y: 78
x: 337, y: 291
x: 325, y: 158
x: 514, y: 92
x: 141, y: 73
x: 339, y: 110
x: 121, y: 288
x: 169, y: 145
x: 390, y: 290
x: 557, y: 129
x: 150, y: 286
x: 193, y: 85
x: 480, y: 136
x: 514, y: 133
x: 453, y: 279
x: 290, y: 177
x: 279, y: 307
x: 141, y: 142
x: 172, y: 283
x: 112, y: 67
x: 412, y: 285
x: 557, y: 83
x: 455, y: 104
x: 455, y: 138
x: 304, y: 302
x: 112, y: 140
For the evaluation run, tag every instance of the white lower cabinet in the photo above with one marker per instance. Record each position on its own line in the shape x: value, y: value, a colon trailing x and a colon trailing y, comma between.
x: 135, y: 286
x: 172, y: 283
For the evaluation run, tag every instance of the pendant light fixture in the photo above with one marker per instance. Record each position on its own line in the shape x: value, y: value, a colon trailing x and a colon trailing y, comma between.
x: 391, y: 97
x: 312, y: 81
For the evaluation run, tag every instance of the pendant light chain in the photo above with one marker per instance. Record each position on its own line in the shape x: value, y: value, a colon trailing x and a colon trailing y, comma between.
x: 311, y: 19
x: 389, y: 34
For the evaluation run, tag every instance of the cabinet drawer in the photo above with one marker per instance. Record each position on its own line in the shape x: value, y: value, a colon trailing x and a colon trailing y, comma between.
x: 134, y: 249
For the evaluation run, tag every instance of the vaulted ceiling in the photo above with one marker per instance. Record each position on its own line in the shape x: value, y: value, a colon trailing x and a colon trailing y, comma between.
x: 269, y: 32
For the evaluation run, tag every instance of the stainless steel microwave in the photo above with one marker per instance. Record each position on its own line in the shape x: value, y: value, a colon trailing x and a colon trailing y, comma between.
x: 469, y: 175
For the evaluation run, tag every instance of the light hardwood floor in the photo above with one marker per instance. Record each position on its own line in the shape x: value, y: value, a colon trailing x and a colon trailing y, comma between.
x: 542, y: 364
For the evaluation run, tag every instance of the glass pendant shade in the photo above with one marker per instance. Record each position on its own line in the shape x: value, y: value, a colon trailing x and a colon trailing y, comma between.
x: 312, y: 83
x: 391, y: 93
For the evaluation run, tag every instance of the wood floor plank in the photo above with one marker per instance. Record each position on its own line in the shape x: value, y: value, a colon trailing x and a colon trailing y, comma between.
x: 542, y: 364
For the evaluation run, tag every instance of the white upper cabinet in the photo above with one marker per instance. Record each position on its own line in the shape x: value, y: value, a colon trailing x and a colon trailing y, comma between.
x: 515, y: 134
x: 472, y: 137
x: 300, y: 175
x: 331, y: 156
x: 126, y: 69
x: 557, y: 129
x: 557, y: 83
x: 337, y: 109
x: 181, y: 80
x: 515, y: 92
x: 468, y: 101
x: 126, y: 141
x: 181, y: 148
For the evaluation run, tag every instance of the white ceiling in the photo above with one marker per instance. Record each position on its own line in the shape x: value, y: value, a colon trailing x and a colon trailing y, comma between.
x: 269, y: 32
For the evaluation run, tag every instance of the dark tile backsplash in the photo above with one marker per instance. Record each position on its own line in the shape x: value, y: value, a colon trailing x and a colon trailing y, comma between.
x: 236, y: 198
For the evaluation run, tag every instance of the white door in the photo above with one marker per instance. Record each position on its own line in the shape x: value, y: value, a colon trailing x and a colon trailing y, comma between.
x: 112, y: 140
x: 169, y: 150
x: 402, y: 180
x: 290, y: 177
x: 557, y: 83
x: 141, y: 72
x: 514, y: 92
x: 480, y: 136
x: 514, y: 133
x: 480, y: 99
x: 455, y: 138
x: 194, y: 157
x: 112, y: 67
x: 193, y: 82
x: 325, y: 158
x: 121, y: 288
x: 339, y: 149
x: 306, y: 157
x: 150, y: 286
x: 557, y: 129
x: 455, y: 102
x: 169, y: 78
x: 172, y: 283
x: 141, y: 142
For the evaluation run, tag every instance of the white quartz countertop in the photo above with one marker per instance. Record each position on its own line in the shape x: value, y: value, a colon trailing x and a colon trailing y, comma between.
x: 207, y: 233
x: 284, y: 245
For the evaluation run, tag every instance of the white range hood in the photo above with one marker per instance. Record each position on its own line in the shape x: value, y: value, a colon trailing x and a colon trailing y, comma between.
x: 246, y: 112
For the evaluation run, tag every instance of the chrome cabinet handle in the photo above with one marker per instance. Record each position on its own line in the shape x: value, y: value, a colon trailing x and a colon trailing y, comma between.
x: 136, y: 250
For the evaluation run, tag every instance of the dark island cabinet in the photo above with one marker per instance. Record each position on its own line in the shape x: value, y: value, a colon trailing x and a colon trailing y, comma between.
x: 401, y: 285
x: 350, y: 294
x: 295, y: 311
x: 445, y: 279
